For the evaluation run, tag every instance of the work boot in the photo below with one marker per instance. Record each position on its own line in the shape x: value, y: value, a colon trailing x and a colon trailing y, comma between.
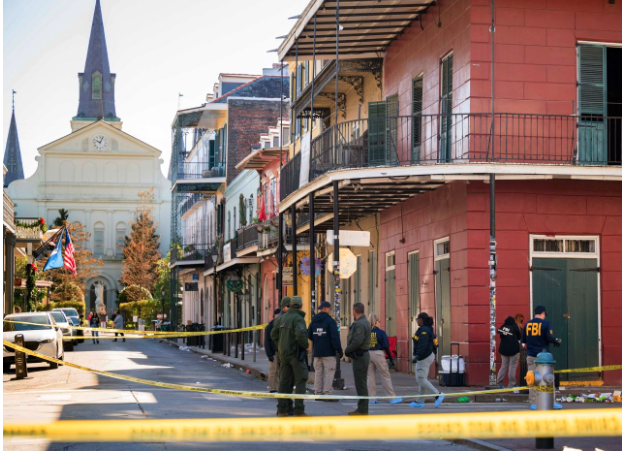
x: 93, y: 341
x: 281, y: 414
x: 114, y: 339
x: 97, y: 341
x: 357, y: 413
x: 123, y: 339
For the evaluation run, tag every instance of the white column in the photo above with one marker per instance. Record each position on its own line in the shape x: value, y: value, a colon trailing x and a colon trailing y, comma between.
x: 110, y: 240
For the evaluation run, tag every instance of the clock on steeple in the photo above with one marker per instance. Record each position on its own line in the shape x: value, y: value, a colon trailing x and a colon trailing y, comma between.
x: 99, y: 142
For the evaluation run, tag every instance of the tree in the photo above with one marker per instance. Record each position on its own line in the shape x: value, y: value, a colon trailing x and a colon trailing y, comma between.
x: 162, y: 288
x: 62, y: 218
x: 141, y: 252
x: 133, y: 293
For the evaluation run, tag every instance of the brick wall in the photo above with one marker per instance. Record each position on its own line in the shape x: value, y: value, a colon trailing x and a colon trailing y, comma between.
x: 248, y: 118
x: 420, y: 221
x: 540, y: 207
x: 535, y: 51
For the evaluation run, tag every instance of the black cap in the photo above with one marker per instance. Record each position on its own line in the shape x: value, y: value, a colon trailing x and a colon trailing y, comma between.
x: 277, y: 311
x: 423, y: 316
x: 324, y: 304
x: 540, y: 309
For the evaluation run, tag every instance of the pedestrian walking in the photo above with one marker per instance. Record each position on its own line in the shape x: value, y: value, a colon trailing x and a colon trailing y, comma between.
x: 94, y: 322
x: 378, y: 353
x: 273, y: 366
x: 424, y: 345
x: 118, y: 324
x: 359, y: 337
x: 509, y: 348
x: 324, y: 335
x: 537, y: 336
x: 290, y: 335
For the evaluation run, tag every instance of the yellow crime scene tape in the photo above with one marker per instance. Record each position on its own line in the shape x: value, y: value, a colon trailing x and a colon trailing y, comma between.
x: 591, y: 369
x: 483, y: 425
x: 149, y: 333
x: 241, y: 393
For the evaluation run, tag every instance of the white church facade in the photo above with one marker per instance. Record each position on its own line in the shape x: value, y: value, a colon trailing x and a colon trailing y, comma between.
x: 97, y: 173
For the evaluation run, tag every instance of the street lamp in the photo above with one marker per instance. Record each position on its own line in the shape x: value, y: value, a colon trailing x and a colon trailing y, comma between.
x: 215, y: 296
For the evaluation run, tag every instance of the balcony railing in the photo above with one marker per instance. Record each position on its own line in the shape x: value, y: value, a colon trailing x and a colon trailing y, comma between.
x: 203, y: 170
x: 460, y: 138
x: 190, y: 252
x: 247, y: 237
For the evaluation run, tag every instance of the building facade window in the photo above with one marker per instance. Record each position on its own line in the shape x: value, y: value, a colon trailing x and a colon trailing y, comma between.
x: 96, y: 86
x: 120, y: 234
x: 98, y: 240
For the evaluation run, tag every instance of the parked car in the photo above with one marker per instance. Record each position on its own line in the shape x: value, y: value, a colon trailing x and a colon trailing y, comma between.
x: 64, y: 323
x: 74, y: 316
x: 43, y: 338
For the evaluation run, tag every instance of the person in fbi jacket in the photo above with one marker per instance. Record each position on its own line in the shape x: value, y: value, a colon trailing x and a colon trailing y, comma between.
x: 537, y: 336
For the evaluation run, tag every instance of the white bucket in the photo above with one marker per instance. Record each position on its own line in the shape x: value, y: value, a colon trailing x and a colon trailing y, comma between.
x: 452, y: 362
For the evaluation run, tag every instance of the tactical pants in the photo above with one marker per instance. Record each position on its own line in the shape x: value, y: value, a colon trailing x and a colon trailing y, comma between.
x: 359, y: 368
x: 422, y: 369
x: 293, y: 372
x: 273, y: 374
x: 377, y: 361
x: 531, y: 366
x: 324, y: 374
x: 512, y: 363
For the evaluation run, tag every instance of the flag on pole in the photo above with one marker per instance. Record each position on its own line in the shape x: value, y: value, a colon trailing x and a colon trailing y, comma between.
x: 56, y: 257
x: 70, y: 261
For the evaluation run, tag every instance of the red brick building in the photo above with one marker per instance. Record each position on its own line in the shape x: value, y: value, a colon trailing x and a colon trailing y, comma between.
x: 421, y: 161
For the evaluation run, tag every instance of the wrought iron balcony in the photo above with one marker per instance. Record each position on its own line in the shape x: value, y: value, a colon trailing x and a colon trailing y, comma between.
x: 459, y: 139
x: 191, y: 252
x: 28, y: 229
x: 202, y: 170
x: 268, y: 234
x: 247, y: 237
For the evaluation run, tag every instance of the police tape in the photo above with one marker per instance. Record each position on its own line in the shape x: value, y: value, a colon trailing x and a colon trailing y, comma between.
x: 482, y: 425
x: 152, y: 334
x: 249, y: 394
x: 591, y: 369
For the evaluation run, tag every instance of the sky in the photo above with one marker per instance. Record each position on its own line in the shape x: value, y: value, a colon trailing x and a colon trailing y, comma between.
x: 157, y: 48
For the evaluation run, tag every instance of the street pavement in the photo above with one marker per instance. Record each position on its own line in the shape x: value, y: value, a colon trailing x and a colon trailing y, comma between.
x: 72, y: 394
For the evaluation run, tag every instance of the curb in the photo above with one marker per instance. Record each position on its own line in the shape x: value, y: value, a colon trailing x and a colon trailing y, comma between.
x: 479, y: 444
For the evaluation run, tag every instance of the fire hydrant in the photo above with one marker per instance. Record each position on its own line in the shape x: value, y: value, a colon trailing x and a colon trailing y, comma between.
x: 543, y: 378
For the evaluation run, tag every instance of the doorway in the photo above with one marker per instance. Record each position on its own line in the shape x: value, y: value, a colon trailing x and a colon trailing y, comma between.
x: 442, y: 290
x: 414, y: 301
x: 564, y: 279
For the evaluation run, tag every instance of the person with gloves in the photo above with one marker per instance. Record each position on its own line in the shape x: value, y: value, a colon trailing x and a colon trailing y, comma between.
x: 509, y: 348
x: 327, y: 349
x: 424, y: 345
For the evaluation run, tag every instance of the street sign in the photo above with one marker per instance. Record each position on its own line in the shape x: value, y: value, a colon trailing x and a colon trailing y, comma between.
x: 356, y: 238
x: 135, y: 318
x: 347, y: 262
x: 191, y: 286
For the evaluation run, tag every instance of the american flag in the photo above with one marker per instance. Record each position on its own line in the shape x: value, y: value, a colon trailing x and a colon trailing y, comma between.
x: 70, y: 261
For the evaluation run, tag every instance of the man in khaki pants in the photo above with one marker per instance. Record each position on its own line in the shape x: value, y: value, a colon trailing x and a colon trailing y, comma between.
x: 273, y: 368
x: 326, y: 349
x: 378, y: 348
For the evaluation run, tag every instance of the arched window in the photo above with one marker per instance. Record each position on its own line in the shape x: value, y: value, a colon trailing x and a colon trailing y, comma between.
x: 98, y: 240
x: 97, y: 86
x: 120, y: 235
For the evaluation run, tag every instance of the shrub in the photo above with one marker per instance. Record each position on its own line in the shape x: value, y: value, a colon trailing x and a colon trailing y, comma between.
x: 133, y: 293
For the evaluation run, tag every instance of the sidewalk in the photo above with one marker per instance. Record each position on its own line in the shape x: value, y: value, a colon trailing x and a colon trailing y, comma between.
x: 403, y: 383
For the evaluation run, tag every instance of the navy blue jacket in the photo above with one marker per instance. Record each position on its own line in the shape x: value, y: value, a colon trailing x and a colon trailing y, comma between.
x: 379, y: 341
x: 424, y: 342
x: 537, y: 335
x: 324, y: 335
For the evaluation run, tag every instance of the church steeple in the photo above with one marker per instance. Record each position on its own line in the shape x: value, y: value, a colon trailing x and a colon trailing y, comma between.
x: 12, y: 153
x: 97, y: 83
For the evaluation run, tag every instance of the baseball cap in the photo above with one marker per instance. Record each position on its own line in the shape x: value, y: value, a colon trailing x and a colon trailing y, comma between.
x: 423, y: 315
x: 296, y: 301
x: 285, y: 301
x: 540, y: 309
x: 324, y: 304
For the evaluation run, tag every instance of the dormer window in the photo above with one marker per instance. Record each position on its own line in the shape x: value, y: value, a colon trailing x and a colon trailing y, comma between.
x: 97, y: 86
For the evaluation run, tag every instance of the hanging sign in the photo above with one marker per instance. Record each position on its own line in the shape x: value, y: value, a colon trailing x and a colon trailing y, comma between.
x: 234, y: 285
x: 355, y: 238
x: 288, y: 276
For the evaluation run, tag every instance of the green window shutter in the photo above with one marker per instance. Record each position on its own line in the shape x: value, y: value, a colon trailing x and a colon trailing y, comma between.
x: 212, y: 155
x: 377, y: 131
x: 447, y: 71
x: 292, y: 87
x: 592, y: 144
x: 393, y: 112
x: 371, y: 280
x: 307, y: 75
x: 417, y: 105
x: 217, y: 148
x: 298, y: 79
x: 357, y: 283
x: 592, y: 80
